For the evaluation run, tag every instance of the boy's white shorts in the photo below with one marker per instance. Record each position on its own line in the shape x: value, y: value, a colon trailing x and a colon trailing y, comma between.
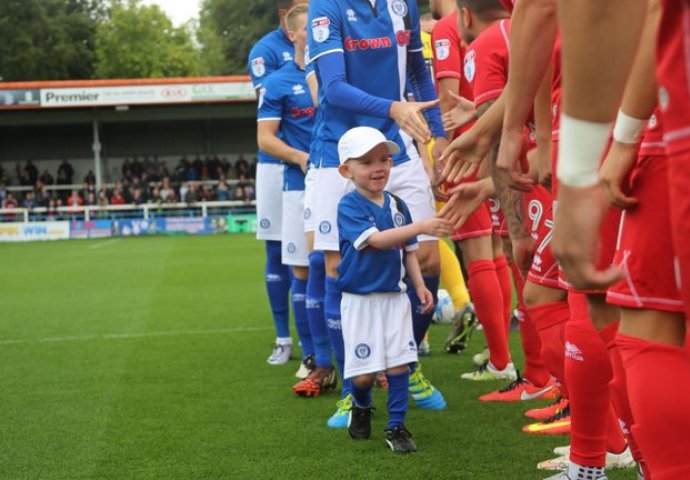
x: 377, y: 332
x: 294, y: 242
x: 269, y: 201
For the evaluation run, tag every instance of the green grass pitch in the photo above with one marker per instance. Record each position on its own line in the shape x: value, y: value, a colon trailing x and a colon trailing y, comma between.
x: 145, y: 358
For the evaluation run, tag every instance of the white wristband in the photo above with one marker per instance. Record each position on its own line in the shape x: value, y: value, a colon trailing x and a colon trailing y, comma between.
x: 628, y: 130
x: 580, y: 150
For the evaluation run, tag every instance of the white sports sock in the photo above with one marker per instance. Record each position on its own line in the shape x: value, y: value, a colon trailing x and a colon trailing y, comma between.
x: 283, y: 341
x: 578, y: 472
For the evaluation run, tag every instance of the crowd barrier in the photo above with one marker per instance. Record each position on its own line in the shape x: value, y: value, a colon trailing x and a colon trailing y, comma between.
x: 205, y: 218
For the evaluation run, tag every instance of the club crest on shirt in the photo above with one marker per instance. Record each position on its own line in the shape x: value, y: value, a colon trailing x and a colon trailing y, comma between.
x: 442, y: 47
x: 470, y: 68
x: 320, y: 29
x: 399, y: 7
x: 362, y: 351
x: 258, y: 67
x: 398, y: 219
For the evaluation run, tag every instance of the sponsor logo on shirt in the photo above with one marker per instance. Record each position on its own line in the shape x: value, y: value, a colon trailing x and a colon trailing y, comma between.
x: 442, y: 47
x: 320, y: 29
x: 403, y: 37
x: 258, y: 67
x: 352, y: 44
x: 302, y: 112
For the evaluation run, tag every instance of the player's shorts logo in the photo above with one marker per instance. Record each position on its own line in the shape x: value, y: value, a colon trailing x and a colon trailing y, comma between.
x: 412, y: 345
x: 258, y: 67
x: 470, y: 68
x: 399, y: 7
x: 307, y: 213
x: 398, y: 219
x: 265, y: 223
x: 362, y: 351
x: 320, y: 29
x: 442, y: 47
x: 291, y: 248
x: 325, y: 228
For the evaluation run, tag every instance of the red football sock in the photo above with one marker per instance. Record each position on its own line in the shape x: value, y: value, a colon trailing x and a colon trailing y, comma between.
x: 588, y: 373
x: 503, y: 275
x: 619, y: 388
x: 658, y: 378
x: 535, y: 371
x: 549, y: 320
x: 488, y: 303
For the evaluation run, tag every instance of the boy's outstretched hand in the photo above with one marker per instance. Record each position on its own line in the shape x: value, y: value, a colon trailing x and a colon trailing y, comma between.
x: 426, y: 298
x: 435, y: 226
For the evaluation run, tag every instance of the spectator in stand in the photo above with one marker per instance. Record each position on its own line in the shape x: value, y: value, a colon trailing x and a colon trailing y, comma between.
x: 75, y: 200
x: 65, y: 173
x: 252, y: 170
x: 241, y: 167
x: 139, y: 196
x: 52, y: 213
x: 25, y: 179
x: 29, y: 200
x: 206, y: 194
x: 103, y: 198
x: 239, y: 193
x: 86, y: 188
x: 156, y: 196
x: 90, y: 178
x: 10, y: 202
x: 46, y: 178
x: 3, y: 193
x: 192, y: 195
x: 91, y: 200
x: 116, y: 198
x: 43, y: 197
x: 166, y: 191
x: 222, y: 191
x: 126, y: 190
x: 32, y: 171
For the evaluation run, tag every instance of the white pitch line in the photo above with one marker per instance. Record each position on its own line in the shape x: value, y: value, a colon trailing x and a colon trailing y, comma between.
x: 128, y: 335
x: 103, y: 244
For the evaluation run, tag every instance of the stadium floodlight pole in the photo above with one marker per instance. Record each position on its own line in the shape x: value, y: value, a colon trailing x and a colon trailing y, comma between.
x: 97, y: 152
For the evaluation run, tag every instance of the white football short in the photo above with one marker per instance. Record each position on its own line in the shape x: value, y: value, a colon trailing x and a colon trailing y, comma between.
x: 309, y: 191
x: 294, y: 243
x: 330, y: 188
x: 269, y: 200
x: 377, y: 332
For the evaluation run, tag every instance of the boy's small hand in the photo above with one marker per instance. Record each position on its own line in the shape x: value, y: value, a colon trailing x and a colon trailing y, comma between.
x: 426, y: 298
x: 437, y: 227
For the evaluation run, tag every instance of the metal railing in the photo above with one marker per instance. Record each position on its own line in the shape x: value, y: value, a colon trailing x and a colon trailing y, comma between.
x: 146, y: 210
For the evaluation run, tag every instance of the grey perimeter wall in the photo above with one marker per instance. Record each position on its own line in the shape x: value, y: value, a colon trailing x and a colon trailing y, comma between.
x: 47, y: 137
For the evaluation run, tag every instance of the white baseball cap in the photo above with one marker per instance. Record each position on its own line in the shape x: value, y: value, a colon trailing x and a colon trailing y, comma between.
x: 361, y: 140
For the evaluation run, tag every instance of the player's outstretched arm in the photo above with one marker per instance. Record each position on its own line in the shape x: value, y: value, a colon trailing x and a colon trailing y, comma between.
x: 415, y: 273
x: 269, y: 142
x: 465, y: 199
x: 437, y: 227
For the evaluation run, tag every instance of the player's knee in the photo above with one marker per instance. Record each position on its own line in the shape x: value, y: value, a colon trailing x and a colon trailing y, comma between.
x: 332, y: 261
x: 364, y: 381
x: 429, y: 258
x: 300, y: 273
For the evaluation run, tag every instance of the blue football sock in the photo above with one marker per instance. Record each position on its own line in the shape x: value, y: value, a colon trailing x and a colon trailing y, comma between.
x: 335, y: 332
x: 361, y: 395
x: 299, y: 309
x: 422, y: 321
x: 278, y: 288
x: 397, y: 399
x: 315, y: 310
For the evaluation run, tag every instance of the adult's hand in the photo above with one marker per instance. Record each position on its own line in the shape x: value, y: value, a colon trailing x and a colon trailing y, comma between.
x: 615, y: 171
x: 579, y: 216
x: 408, y: 117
